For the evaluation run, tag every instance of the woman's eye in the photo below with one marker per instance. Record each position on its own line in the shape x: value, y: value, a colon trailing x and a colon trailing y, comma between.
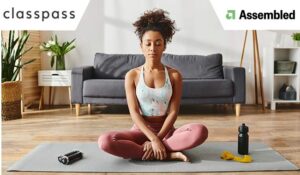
x: 156, y: 44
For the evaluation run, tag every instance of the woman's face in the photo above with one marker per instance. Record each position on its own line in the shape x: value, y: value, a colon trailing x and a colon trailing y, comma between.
x: 152, y: 45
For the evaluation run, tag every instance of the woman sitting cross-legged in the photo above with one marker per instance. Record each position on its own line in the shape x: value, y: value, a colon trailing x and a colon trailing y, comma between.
x: 153, y: 93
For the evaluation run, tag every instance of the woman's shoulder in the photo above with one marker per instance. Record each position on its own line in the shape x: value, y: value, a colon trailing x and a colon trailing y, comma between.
x: 133, y: 73
x: 173, y: 73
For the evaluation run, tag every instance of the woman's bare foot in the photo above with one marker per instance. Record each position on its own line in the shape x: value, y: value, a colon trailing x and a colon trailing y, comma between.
x: 179, y: 156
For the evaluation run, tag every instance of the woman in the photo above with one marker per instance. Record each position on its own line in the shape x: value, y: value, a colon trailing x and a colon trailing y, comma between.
x: 153, y: 93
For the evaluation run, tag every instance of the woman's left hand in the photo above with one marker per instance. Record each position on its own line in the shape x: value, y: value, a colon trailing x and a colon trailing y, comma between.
x: 159, y: 150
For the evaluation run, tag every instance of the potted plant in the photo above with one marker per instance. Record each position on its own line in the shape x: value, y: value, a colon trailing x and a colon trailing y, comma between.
x: 57, y: 51
x: 11, y: 56
x: 296, y: 38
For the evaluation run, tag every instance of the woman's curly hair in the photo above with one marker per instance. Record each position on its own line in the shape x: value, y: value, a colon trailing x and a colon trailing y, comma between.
x: 156, y: 20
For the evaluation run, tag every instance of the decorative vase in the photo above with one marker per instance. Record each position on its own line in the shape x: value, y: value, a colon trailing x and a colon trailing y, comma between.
x: 60, y: 62
x: 11, y: 100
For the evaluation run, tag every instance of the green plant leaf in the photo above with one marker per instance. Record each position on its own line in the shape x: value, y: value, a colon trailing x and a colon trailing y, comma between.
x: 11, y: 55
x: 296, y: 36
x: 58, y: 49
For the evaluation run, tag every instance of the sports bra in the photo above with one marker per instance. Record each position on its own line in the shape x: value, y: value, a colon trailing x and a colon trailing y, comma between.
x: 154, y: 101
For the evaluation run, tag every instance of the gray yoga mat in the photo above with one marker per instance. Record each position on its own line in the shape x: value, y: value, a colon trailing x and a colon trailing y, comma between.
x: 205, y: 158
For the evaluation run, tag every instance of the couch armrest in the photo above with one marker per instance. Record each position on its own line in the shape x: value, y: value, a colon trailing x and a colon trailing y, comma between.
x: 79, y: 74
x: 237, y: 76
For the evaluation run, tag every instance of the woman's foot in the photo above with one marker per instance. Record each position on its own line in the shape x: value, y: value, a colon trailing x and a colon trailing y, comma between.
x: 179, y: 156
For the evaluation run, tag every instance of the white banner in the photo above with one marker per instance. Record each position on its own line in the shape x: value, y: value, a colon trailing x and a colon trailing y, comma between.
x: 41, y: 14
x: 258, y: 14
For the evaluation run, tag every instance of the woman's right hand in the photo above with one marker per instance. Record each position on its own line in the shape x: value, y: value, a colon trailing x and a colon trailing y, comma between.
x: 159, y: 149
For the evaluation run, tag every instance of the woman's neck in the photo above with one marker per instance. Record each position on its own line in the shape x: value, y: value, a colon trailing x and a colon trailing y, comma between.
x: 153, y: 66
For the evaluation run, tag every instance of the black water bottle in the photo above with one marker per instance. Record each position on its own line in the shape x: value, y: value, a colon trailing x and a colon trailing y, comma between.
x: 243, y: 140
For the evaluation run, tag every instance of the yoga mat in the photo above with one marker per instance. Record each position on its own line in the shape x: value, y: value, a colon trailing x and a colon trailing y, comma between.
x: 205, y: 158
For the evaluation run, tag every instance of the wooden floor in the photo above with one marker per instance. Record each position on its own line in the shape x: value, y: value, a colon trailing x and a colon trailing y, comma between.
x: 280, y: 129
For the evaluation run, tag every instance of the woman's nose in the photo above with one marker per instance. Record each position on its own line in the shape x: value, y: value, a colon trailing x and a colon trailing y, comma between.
x: 152, y: 47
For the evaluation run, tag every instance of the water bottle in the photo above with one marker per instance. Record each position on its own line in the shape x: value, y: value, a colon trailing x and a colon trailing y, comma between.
x: 243, y: 140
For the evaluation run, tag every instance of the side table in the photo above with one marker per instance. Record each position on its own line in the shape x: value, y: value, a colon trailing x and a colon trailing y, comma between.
x: 52, y: 79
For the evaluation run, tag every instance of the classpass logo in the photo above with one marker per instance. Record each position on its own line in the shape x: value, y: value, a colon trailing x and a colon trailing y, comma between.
x: 273, y: 15
x: 41, y: 15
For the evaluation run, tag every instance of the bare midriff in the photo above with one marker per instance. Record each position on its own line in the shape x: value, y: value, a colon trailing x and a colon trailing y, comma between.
x: 155, y: 119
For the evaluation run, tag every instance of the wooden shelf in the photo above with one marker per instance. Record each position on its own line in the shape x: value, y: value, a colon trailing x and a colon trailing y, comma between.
x: 277, y: 100
x: 282, y: 75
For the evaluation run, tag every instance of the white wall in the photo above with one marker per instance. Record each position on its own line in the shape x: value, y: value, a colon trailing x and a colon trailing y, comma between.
x: 107, y: 27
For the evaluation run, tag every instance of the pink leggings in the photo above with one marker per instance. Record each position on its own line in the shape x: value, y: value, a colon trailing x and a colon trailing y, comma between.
x: 129, y: 144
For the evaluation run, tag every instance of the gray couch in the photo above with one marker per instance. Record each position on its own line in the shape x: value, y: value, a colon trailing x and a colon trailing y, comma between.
x: 205, y: 80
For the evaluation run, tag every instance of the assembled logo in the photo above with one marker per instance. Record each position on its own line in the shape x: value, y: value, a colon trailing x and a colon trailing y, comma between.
x: 230, y: 14
x: 274, y: 15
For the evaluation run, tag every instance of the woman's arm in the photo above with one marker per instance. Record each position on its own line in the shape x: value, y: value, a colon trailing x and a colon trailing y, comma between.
x: 174, y: 104
x: 134, y: 107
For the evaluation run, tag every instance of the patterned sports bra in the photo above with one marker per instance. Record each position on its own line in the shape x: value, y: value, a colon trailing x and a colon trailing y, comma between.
x: 154, y: 101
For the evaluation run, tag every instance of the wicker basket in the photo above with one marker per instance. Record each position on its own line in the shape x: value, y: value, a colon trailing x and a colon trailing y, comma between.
x: 11, y: 100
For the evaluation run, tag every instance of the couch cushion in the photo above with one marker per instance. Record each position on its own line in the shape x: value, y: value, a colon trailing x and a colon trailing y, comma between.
x: 192, y: 88
x: 115, y: 66
x: 202, y: 88
x: 113, y: 88
x: 196, y: 66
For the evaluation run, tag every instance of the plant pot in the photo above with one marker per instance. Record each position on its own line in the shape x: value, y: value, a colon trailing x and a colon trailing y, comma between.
x: 60, y: 63
x: 11, y: 100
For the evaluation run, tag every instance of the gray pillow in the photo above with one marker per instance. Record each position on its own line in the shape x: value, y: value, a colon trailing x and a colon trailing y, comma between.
x: 115, y: 66
x: 196, y: 66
